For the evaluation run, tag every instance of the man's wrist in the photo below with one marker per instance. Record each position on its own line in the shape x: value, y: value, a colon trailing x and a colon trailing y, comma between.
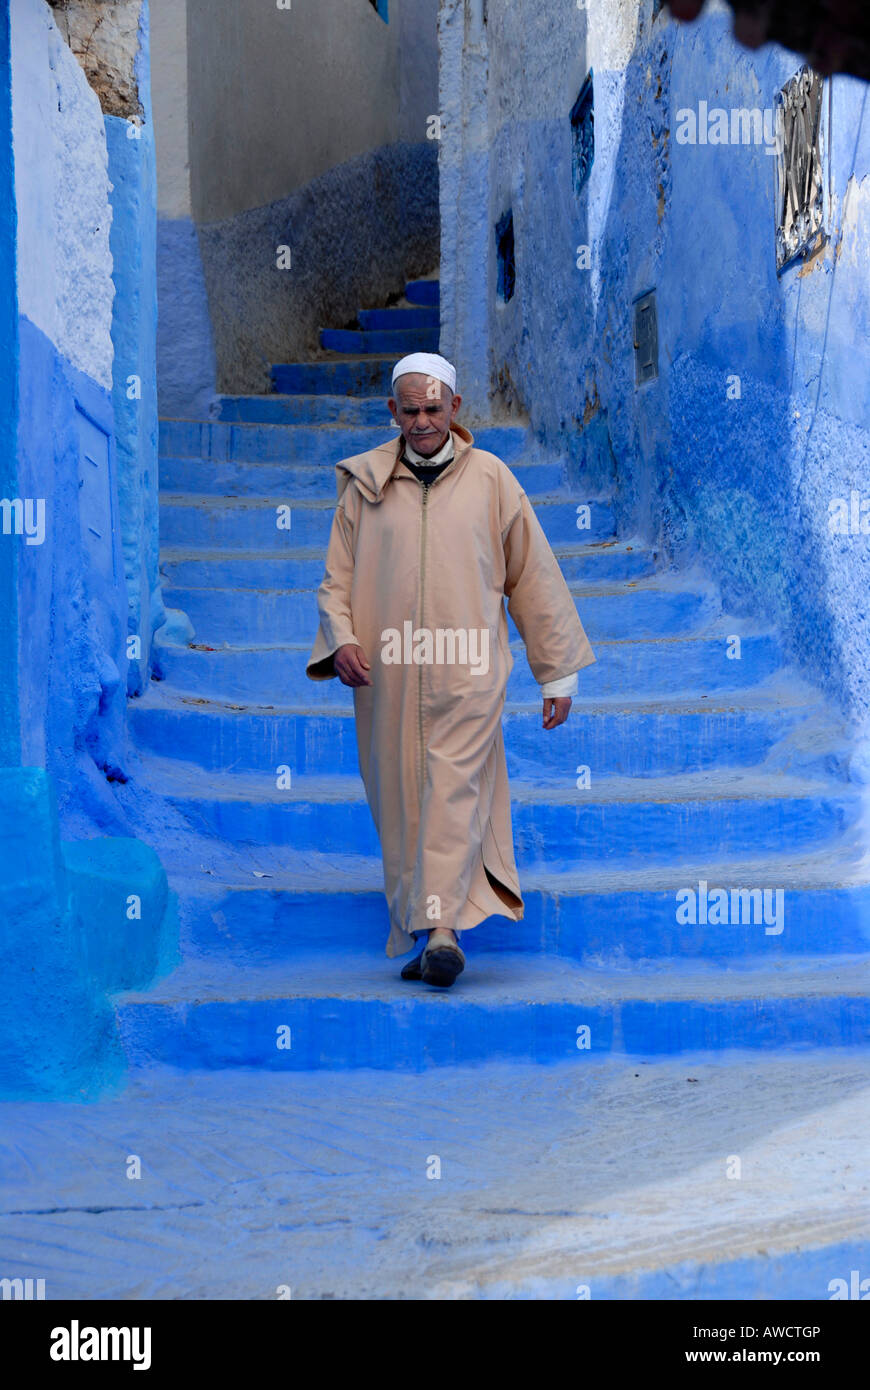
x: 565, y: 686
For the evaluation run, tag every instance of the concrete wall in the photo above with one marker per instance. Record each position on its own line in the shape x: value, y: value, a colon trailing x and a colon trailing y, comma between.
x: 279, y: 96
x: 186, y: 363
x: 303, y: 127
x: 745, y: 483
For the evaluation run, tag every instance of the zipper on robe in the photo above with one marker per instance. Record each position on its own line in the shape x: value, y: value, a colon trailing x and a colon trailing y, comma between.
x: 420, y: 743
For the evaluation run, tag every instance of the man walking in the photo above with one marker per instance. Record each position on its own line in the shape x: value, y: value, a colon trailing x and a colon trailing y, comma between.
x: 429, y: 536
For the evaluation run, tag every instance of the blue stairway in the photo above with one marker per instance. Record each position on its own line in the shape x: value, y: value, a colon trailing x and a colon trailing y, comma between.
x: 707, y: 769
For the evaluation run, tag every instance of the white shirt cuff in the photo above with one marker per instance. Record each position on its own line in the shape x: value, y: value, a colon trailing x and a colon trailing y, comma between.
x: 566, y: 686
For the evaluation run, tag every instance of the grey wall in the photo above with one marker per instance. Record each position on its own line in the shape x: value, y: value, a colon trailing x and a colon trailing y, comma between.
x: 304, y: 127
x: 277, y: 97
x: 186, y: 363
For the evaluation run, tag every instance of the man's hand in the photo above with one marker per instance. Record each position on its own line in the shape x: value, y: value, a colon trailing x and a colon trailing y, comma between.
x: 351, y: 665
x: 556, y: 711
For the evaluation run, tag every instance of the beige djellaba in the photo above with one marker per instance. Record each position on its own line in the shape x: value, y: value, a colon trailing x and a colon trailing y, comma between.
x: 417, y: 576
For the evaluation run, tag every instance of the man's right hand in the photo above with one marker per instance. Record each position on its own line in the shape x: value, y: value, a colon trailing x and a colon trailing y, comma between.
x: 351, y: 665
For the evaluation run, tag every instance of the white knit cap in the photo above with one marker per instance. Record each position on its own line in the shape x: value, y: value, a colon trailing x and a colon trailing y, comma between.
x: 430, y: 364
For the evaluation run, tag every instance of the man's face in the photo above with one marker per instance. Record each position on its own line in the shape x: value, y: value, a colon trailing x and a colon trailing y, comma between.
x: 423, y: 408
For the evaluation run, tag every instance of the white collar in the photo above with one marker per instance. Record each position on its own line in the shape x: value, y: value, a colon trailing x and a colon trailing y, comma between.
x: 444, y: 453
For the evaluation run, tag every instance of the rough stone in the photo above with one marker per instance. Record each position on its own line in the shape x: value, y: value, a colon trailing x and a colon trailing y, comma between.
x: 104, y: 36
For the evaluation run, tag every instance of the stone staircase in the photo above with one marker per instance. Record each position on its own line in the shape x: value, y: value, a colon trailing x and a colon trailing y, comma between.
x: 704, y: 769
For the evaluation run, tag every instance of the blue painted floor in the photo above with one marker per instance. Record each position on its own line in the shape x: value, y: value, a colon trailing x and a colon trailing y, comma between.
x: 560, y: 1166
x: 605, y: 1175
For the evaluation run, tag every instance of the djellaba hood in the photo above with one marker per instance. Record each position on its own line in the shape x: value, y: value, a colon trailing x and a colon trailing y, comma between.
x: 373, y: 470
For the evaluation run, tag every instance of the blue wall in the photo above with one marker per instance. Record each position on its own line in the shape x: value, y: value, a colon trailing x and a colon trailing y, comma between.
x: 132, y: 170
x: 85, y: 909
x: 9, y: 733
x: 745, y: 485
x: 73, y: 620
x: 69, y: 936
x: 186, y: 362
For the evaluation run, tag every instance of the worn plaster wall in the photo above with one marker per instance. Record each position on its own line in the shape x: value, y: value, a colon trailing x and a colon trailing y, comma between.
x: 110, y: 43
x: 744, y: 482
x: 86, y: 216
x: 62, y: 190
x: 750, y: 481
x: 67, y: 867
x: 73, y: 621
x: 355, y: 235
x: 465, y: 166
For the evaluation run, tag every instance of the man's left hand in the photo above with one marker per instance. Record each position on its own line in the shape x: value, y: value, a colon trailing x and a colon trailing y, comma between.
x: 556, y: 711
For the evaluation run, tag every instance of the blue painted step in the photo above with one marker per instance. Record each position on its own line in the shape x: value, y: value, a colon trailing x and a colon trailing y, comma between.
x: 423, y: 291
x: 298, y: 567
x: 297, y: 481
x: 618, y: 821
x: 398, y: 317
x: 364, y: 376
x: 352, y: 1012
x: 260, y: 443
x: 672, y: 666
x: 631, y: 740
x: 306, y: 410
x: 308, y: 444
x: 611, y: 918
x: 290, y: 615
x: 380, y: 340
x: 213, y: 523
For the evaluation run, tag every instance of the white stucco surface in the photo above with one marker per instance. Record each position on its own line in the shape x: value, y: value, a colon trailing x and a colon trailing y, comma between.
x: 62, y: 192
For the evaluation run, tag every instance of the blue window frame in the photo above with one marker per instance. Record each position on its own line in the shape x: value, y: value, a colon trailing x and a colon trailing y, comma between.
x: 583, y: 134
x: 504, y: 240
